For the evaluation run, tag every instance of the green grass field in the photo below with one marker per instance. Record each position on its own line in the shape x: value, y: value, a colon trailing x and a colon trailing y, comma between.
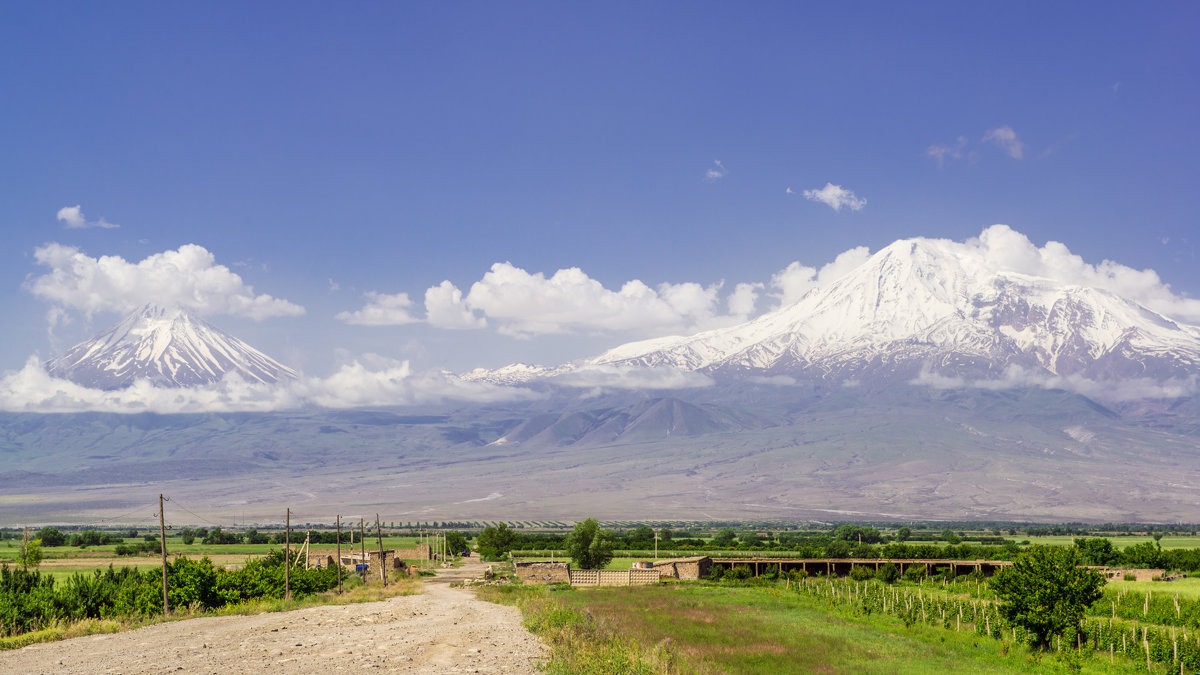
x: 703, y: 628
x: 1188, y: 588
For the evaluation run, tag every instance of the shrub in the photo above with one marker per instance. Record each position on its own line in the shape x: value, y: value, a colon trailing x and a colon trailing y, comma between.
x: 861, y: 573
x: 737, y: 573
x: 888, y: 573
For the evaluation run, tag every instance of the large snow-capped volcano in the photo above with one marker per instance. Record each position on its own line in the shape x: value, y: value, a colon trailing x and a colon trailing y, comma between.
x: 922, y: 303
x: 167, y: 347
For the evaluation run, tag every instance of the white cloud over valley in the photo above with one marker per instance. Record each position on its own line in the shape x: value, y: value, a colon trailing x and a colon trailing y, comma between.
x: 1106, y: 391
x: 366, y: 381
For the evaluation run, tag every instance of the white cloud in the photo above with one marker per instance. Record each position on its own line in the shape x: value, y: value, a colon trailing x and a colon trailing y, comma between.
x: 187, y: 278
x: 743, y: 299
x: 367, y: 381
x: 382, y: 309
x: 1006, y: 139
x: 631, y: 377
x: 789, y: 191
x: 835, y: 197
x: 774, y: 380
x: 1003, y: 248
x: 1107, y: 391
x: 796, y: 280
x: 942, y: 152
x: 522, y: 304
x: 73, y: 217
x: 569, y: 302
x: 717, y: 171
x: 446, y: 308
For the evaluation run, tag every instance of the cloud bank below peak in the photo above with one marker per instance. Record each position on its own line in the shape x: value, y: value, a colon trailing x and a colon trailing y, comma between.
x: 369, y: 380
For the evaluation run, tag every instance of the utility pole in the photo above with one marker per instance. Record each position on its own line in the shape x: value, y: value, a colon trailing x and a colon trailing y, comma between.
x: 287, y: 556
x: 162, y: 534
x: 362, y: 543
x: 656, y: 546
x: 339, y: 558
x: 379, y: 534
x: 25, y: 550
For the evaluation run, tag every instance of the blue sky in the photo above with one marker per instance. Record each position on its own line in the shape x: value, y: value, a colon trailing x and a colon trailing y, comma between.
x: 321, y: 152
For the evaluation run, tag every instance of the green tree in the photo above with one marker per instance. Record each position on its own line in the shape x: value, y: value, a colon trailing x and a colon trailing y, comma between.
x: 1097, y: 551
x: 950, y: 537
x: 456, y: 542
x: 1144, y: 554
x: 903, y: 534
x: 751, y: 539
x: 494, y: 542
x: 641, y: 537
x: 724, y: 537
x: 589, y: 546
x: 29, y: 554
x: 1045, y: 591
x: 51, y: 536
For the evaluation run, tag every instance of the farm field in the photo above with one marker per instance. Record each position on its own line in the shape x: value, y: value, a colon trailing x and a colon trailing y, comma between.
x: 1118, y: 542
x: 706, y: 628
x: 63, y: 561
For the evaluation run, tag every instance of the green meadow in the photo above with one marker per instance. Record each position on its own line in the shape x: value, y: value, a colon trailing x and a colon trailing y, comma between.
x: 718, y: 628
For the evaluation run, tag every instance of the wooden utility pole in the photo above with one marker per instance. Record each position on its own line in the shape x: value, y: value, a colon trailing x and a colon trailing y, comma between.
x: 339, y: 558
x: 25, y: 550
x: 162, y: 534
x: 362, y: 544
x: 287, y: 556
x: 379, y: 534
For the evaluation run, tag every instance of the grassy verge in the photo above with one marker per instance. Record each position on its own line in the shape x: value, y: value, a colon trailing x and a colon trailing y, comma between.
x: 716, y: 628
x: 355, y: 592
x: 1188, y: 588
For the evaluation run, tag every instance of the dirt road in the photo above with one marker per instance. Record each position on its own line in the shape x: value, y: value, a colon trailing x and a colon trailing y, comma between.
x: 443, y: 630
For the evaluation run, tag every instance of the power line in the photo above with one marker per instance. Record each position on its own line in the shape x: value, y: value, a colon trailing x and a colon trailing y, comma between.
x: 181, y: 506
x: 101, y: 521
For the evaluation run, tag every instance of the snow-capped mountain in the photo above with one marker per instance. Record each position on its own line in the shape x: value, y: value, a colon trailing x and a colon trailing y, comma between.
x: 922, y: 303
x: 167, y: 347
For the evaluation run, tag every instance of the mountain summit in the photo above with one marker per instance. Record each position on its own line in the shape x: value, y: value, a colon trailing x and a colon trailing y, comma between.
x: 169, y: 348
x: 930, y: 304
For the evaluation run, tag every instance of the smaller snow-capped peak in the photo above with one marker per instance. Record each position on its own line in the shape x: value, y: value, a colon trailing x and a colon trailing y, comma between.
x: 168, y: 347
x: 515, y: 373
